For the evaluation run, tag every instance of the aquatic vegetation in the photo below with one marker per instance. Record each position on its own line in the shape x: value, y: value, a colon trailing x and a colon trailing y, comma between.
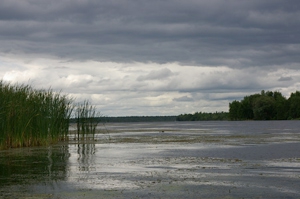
x: 32, y: 117
x: 86, y: 120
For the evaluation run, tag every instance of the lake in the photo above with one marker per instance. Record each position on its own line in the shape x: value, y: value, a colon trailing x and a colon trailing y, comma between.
x: 209, y: 159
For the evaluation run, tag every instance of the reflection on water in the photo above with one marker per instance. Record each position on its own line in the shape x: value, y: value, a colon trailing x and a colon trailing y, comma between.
x: 190, y: 159
x: 86, y: 156
x: 31, y: 165
x: 45, y: 169
x: 44, y: 164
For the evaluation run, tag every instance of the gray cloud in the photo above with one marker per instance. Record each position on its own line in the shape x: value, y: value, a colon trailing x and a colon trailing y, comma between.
x: 282, y: 79
x: 215, y: 32
x: 161, y: 56
x: 155, y: 75
x: 183, y: 99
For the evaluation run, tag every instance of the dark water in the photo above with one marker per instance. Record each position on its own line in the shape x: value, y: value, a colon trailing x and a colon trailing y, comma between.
x: 253, y: 159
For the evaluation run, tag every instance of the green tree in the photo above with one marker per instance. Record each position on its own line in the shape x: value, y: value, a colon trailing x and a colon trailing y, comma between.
x: 281, y: 106
x: 248, y: 105
x: 264, y: 108
x: 235, y: 110
x: 202, y: 116
x: 294, y: 105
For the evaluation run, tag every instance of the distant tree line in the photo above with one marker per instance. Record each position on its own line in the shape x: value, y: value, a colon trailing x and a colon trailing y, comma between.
x: 261, y: 106
x: 135, y: 119
x: 202, y: 116
x: 266, y: 106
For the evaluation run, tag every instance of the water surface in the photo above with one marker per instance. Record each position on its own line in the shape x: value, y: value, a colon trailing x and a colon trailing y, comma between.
x: 250, y: 159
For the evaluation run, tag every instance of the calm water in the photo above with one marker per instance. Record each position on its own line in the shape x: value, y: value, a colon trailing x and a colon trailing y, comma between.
x: 250, y: 159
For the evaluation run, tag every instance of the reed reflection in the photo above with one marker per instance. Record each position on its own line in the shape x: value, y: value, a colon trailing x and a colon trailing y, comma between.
x: 86, y: 157
x: 34, y: 165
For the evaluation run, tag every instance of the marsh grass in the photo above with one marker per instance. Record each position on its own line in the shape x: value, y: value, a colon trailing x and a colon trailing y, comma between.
x: 86, y: 120
x: 30, y: 117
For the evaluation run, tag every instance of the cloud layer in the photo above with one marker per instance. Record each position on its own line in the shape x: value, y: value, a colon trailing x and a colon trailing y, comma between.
x: 152, y: 57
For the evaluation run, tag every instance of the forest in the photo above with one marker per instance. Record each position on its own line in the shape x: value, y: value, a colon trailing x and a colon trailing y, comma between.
x: 107, y: 119
x: 266, y: 106
x: 203, y: 116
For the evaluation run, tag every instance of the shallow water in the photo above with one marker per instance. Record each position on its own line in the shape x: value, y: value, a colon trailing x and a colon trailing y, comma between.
x: 253, y: 159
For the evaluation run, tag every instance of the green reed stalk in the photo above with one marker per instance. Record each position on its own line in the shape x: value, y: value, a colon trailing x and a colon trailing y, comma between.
x: 86, y: 118
x: 30, y: 117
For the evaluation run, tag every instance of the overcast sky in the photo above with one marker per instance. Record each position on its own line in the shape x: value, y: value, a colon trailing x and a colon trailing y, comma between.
x: 158, y: 57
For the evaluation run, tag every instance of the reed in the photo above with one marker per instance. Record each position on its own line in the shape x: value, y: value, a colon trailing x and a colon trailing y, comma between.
x: 30, y: 117
x: 87, y: 120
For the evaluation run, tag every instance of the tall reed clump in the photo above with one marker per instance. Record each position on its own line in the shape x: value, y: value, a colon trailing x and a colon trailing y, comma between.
x: 30, y: 117
x: 87, y: 120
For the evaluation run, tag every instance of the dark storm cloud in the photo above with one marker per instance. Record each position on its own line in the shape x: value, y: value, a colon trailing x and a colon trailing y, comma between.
x: 183, y: 99
x: 235, y: 33
x: 282, y: 79
x: 156, y: 75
